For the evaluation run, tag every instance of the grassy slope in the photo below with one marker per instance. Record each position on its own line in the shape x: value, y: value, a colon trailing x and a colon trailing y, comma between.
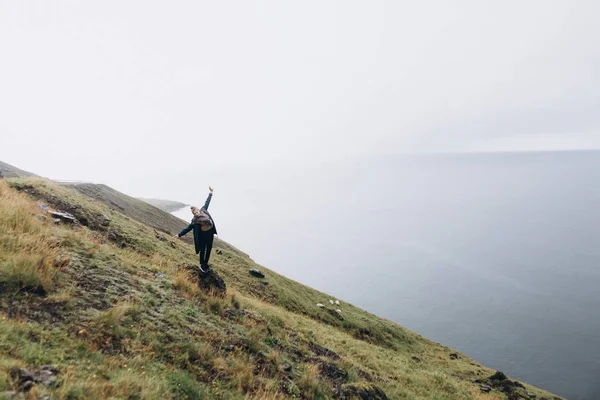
x: 122, y: 319
x: 135, y: 208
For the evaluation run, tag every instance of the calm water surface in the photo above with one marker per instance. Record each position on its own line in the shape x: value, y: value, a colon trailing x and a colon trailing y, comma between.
x: 494, y: 255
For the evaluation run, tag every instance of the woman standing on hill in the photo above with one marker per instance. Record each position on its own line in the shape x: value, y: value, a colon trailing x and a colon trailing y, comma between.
x: 204, y: 232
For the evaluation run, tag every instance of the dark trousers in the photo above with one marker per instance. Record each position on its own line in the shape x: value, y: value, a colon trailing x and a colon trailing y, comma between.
x: 206, y: 242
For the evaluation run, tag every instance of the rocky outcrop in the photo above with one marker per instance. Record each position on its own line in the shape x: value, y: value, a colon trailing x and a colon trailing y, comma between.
x: 210, y: 282
x: 361, y: 391
x: 512, y: 389
x: 256, y: 273
x: 335, y: 314
x: 26, y: 379
x: 60, y: 216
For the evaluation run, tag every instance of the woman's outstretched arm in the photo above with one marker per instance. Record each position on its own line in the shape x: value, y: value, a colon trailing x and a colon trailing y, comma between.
x: 185, y: 230
x: 208, y: 199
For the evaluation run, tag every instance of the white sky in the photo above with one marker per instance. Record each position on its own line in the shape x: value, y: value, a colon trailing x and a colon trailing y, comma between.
x: 91, y: 89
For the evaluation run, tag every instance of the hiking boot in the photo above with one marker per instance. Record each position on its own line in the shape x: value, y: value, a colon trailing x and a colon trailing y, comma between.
x: 203, y: 268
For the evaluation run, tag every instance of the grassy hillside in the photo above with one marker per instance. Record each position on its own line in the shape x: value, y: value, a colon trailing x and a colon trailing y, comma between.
x: 165, y: 205
x: 113, y: 306
x: 131, y: 206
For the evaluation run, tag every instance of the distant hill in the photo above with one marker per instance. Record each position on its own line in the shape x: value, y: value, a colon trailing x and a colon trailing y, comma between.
x: 165, y: 205
x: 8, y: 171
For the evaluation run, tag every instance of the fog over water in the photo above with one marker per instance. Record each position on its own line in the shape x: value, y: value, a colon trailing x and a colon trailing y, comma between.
x: 495, y: 255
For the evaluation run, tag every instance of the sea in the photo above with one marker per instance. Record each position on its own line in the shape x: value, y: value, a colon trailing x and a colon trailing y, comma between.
x: 496, y: 255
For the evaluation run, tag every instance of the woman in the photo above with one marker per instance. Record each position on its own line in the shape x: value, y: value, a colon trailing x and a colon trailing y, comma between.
x: 204, y: 232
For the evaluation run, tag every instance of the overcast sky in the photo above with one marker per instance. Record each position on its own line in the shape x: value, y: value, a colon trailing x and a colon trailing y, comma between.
x: 91, y: 89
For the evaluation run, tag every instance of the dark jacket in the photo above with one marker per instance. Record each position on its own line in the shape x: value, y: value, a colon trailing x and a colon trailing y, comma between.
x: 199, y: 234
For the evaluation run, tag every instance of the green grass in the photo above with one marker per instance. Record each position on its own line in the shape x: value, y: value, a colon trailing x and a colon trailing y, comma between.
x: 121, y: 317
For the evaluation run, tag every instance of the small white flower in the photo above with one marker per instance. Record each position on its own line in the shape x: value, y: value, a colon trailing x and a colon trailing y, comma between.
x: 337, y: 302
x: 331, y: 301
x: 320, y: 305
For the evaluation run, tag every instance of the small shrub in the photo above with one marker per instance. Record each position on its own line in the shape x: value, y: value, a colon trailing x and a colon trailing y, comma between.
x: 74, y: 393
x: 235, y: 302
x: 274, y: 358
x: 253, y: 340
x: 191, y: 312
x: 64, y: 296
x: 273, y: 341
x: 4, y: 381
x: 115, y: 315
x: 193, y: 353
x: 215, y: 305
x: 187, y: 286
x: 22, y: 272
x: 150, y: 300
x: 110, y: 328
x: 243, y: 377
x: 311, y: 386
x: 183, y: 386
x: 290, y: 388
x: 275, y: 320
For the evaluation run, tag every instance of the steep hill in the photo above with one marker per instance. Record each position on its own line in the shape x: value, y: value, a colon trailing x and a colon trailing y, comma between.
x: 111, y: 304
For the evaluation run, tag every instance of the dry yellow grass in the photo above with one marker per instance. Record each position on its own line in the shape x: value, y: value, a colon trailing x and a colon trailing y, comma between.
x: 188, y: 287
x: 29, y: 252
x: 242, y: 371
x: 114, y: 315
x: 159, y: 262
x: 63, y: 295
x: 309, y: 382
x: 126, y: 385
